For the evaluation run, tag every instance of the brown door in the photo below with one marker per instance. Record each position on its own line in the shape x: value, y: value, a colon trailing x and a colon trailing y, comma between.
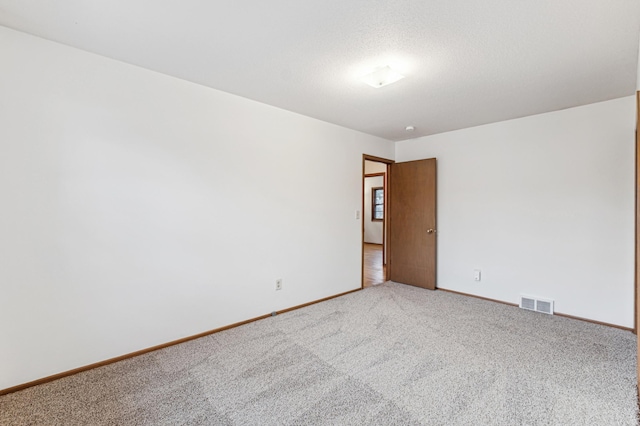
x: 412, y: 223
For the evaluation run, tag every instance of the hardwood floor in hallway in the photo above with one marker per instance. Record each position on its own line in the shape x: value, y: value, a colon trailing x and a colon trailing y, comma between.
x: 374, y: 271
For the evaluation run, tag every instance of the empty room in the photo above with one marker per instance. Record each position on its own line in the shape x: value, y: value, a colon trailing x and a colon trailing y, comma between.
x: 416, y: 212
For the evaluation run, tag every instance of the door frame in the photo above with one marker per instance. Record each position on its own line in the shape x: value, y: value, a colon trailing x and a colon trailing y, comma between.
x: 636, y: 300
x: 385, y: 225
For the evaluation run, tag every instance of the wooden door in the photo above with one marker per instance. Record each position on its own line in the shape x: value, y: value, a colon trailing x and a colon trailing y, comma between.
x: 412, y: 223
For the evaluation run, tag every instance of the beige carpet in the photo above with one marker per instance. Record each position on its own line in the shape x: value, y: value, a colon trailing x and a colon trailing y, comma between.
x: 390, y: 354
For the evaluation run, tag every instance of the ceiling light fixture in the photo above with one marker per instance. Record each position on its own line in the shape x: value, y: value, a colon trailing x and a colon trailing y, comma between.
x: 382, y: 76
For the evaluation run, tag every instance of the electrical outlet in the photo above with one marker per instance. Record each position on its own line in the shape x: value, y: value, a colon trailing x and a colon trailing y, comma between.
x: 476, y: 274
x: 279, y: 284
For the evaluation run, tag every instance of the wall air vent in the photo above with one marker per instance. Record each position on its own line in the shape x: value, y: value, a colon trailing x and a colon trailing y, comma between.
x: 536, y: 304
x: 528, y: 303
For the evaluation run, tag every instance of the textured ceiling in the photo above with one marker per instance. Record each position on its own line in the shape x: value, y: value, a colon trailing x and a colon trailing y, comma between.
x: 466, y: 62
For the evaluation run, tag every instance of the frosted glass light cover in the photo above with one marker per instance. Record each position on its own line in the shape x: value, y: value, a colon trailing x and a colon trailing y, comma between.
x: 381, y: 77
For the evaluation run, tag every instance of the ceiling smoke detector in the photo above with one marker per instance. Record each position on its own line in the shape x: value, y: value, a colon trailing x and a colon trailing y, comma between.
x: 409, y: 128
x: 382, y: 76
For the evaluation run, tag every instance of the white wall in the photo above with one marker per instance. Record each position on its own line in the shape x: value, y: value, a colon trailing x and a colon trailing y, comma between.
x: 372, y: 229
x: 138, y: 208
x: 638, y: 68
x: 543, y: 205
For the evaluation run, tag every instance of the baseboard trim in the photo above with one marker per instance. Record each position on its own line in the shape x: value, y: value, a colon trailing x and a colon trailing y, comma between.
x: 161, y: 346
x: 476, y: 297
x: 559, y: 314
x: 304, y: 305
x: 593, y: 321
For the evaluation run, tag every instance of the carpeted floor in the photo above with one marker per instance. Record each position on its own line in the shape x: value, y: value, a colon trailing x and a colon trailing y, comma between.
x: 387, y: 355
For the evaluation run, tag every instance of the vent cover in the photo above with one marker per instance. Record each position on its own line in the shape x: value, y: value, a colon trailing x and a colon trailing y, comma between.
x: 536, y: 304
x: 528, y: 303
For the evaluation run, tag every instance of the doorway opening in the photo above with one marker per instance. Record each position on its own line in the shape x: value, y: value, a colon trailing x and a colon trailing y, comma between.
x: 375, y: 175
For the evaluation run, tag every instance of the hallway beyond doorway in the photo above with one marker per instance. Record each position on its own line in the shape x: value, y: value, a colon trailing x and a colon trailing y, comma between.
x: 374, y: 271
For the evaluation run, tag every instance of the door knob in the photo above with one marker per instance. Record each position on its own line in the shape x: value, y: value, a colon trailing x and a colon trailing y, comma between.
x: 430, y: 231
